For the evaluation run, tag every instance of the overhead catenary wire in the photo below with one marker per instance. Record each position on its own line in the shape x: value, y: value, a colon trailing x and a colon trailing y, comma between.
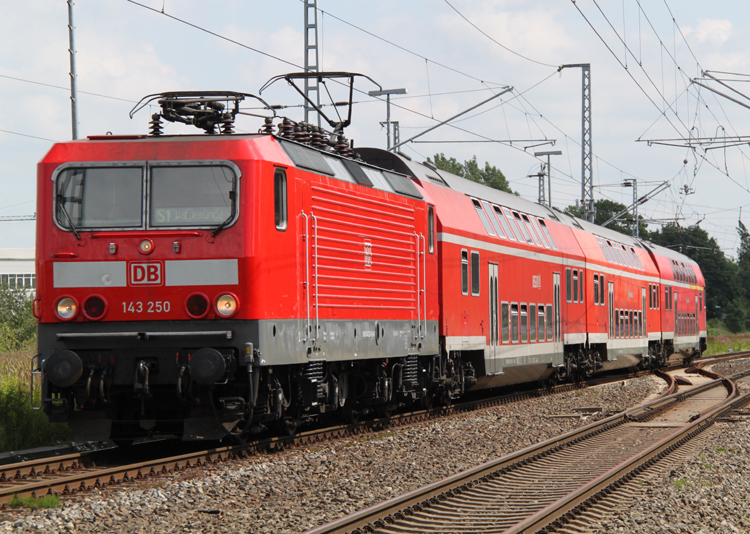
x: 496, y: 41
x: 701, y: 157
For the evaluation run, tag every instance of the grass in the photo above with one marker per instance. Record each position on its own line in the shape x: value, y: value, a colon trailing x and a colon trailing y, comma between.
x: 721, y: 340
x: 48, y: 501
x: 20, y: 426
x: 682, y: 482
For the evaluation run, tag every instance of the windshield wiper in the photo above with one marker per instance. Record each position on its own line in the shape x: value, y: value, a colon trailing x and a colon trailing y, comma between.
x: 61, y: 205
x: 219, y: 228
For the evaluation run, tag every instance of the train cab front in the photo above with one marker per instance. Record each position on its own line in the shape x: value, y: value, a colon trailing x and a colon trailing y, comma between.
x: 139, y: 298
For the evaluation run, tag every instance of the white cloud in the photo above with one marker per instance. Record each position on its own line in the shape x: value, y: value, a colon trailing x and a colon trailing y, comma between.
x: 713, y: 31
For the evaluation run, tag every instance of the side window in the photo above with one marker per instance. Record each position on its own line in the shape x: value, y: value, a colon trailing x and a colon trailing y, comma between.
x: 475, y: 273
x: 493, y: 220
x: 523, y: 228
x: 700, y: 297
x: 540, y: 323
x: 575, y: 285
x: 596, y: 289
x: 546, y: 233
x: 631, y: 330
x: 464, y: 272
x: 431, y: 228
x: 505, y: 318
x: 666, y: 298
x: 640, y: 324
x: 539, y: 231
x: 568, y: 296
x: 601, y: 295
x: 504, y: 223
x: 514, y: 322
x: 483, y: 217
x: 513, y: 225
x: 531, y: 230
x: 279, y: 199
x: 580, y: 286
x: 524, y: 324
x: 618, y: 322
x: 650, y: 296
x: 532, y: 322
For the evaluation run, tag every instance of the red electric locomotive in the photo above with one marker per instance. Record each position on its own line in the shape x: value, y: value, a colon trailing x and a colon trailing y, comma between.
x: 214, y: 285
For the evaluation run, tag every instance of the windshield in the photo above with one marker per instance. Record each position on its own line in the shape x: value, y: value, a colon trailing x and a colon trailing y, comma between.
x: 117, y: 197
x: 100, y: 197
x: 191, y: 196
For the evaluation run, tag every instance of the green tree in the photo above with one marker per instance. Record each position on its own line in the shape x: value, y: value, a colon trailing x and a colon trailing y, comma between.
x: 605, y: 210
x: 17, y: 323
x: 720, y: 272
x: 743, y: 261
x: 735, y: 315
x: 490, y: 175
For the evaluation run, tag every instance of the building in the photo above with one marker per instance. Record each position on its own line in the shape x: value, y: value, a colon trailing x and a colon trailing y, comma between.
x: 17, y: 268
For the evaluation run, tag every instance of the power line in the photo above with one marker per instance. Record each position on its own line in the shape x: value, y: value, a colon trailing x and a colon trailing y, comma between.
x: 161, y: 12
x: 495, y: 41
x: 31, y: 136
x: 65, y: 88
x: 416, y: 54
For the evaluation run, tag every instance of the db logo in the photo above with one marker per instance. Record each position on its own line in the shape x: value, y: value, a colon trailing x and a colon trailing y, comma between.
x: 145, y: 274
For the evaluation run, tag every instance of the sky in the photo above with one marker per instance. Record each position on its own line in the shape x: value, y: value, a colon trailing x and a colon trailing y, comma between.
x: 450, y: 55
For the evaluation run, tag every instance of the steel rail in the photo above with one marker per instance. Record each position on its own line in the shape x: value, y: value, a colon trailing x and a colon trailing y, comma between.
x: 379, y: 515
x: 548, y: 519
x: 60, y: 472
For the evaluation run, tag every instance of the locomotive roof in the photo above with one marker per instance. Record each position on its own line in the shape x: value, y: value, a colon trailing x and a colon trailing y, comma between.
x: 427, y: 172
x: 669, y: 253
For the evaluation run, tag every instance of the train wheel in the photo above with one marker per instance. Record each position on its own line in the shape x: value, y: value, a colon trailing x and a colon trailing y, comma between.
x: 289, y: 426
x: 351, y: 415
x: 387, y: 411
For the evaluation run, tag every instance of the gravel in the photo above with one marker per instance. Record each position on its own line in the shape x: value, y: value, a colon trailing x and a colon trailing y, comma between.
x: 705, y: 495
x: 295, y: 490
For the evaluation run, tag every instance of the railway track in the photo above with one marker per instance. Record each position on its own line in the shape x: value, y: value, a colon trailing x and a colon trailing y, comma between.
x: 545, y: 487
x: 82, y: 471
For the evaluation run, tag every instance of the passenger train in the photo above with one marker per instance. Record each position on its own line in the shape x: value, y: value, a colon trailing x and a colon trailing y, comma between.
x: 217, y: 284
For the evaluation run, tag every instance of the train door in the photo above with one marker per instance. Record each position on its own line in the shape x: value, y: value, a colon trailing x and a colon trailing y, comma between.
x: 494, y: 348
x: 695, y: 325
x: 611, y: 295
x: 676, y: 314
x: 644, y: 333
x: 558, y: 345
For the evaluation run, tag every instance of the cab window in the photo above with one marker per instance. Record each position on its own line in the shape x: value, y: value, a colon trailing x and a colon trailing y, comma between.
x: 279, y: 199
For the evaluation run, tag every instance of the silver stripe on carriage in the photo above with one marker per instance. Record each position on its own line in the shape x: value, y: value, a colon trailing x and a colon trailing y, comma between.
x: 201, y: 272
x: 89, y: 274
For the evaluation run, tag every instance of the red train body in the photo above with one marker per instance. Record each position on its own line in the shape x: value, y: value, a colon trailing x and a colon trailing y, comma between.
x: 203, y: 286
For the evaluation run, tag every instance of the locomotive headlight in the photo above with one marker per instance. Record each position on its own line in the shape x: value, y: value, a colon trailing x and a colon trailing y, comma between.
x: 66, y: 308
x: 146, y: 246
x: 226, y: 305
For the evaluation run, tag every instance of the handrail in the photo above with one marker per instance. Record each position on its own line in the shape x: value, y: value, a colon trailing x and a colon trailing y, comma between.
x: 307, y: 273
x: 317, y: 307
x: 424, y: 283
x: 416, y: 262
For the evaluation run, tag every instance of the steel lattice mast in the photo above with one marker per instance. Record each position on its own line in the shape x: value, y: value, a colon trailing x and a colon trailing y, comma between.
x: 587, y: 177
x: 311, y: 56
